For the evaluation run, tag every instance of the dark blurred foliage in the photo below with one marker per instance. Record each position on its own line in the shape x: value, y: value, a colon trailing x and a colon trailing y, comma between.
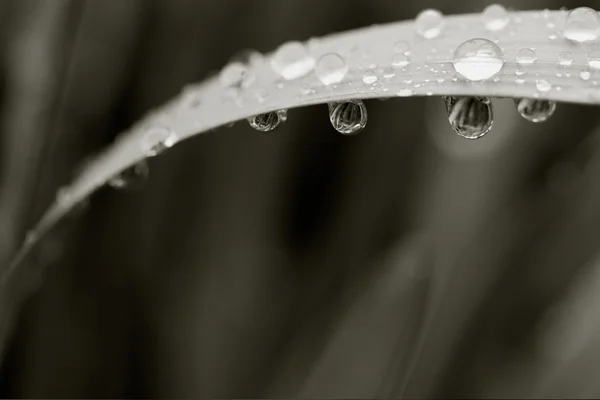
x: 404, y: 262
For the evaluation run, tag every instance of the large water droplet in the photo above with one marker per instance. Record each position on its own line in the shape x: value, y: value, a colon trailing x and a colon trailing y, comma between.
x: 268, y: 121
x: 349, y: 117
x: 292, y: 61
x: 156, y: 140
x: 535, y: 110
x: 331, y: 68
x: 470, y: 117
x: 495, y: 17
x: 526, y: 56
x: 478, y: 59
x: 582, y: 25
x: 429, y: 23
x: 132, y: 178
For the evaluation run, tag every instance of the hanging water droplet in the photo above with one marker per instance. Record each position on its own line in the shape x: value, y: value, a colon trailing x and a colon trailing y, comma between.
x: 565, y: 58
x: 268, y: 121
x: 478, y: 59
x: 233, y: 74
x: 429, y: 23
x: 156, y: 140
x: 331, y: 68
x: 535, y: 110
x: 470, y: 117
x: 582, y: 25
x: 349, y: 117
x: 526, y: 56
x: 400, y: 60
x: 292, y: 61
x: 132, y: 178
x: 543, y: 85
x: 594, y: 59
x: 495, y: 17
x: 402, y: 47
x: 370, y: 77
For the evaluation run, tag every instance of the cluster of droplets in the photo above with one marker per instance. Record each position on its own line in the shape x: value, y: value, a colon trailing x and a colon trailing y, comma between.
x: 474, y: 60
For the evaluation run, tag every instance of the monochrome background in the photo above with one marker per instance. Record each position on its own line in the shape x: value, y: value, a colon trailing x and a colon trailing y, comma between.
x: 402, y: 262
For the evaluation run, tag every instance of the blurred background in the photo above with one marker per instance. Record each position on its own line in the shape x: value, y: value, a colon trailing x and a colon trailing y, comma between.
x: 403, y: 262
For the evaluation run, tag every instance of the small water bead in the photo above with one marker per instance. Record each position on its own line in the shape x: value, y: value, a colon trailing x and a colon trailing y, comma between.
x: 331, y: 68
x: 526, y: 56
x: 349, y: 117
x: 519, y: 71
x: 585, y: 75
x: 478, y: 59
x: 495, y: 17
x: 388, y: 73
x: 408, y: 79
x: 429, y: 23
x: 268, y: 121
x: 132, y: 178
x: 292, y: 61
x: 156, y: 140
x: 402, y: 47
x: 400, y: 60
x: 369, y: 77
x: 565, y: 58
x: 233, y: 74
x: 582, y: 25
x: 594, y: 59
x: 543, y: 85
x: 535, y: 110
x: 406, y: 92
x: 470, y: 117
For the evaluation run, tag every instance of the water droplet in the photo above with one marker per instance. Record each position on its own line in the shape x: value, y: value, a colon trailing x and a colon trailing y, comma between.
x: 402, y: 47
x: 400, y: 60
x: 369, y: 77
x: 543, y: 85
x: 132, y: 178
x: 408, y: 79
x: 262, y: 95
x: 233, y: 74
x: 470, y: 117
x: 478, y: 59
x: 406, y: 92
x: 349, y: 117
x: 388, y: 73
x: 565, y: 58
x: 495, y: 17
x: 292, y: 61
x: 526, y: 56
x: 156, y: 140
x: 429, y: 23
x: 535, y: 110
x: 585, y: 75
x: 331, y: 68
x: 582, y: 25
x: 268, y: 121
x: 594, y: 59
x: 519, y: 81
x: 519, y: 71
